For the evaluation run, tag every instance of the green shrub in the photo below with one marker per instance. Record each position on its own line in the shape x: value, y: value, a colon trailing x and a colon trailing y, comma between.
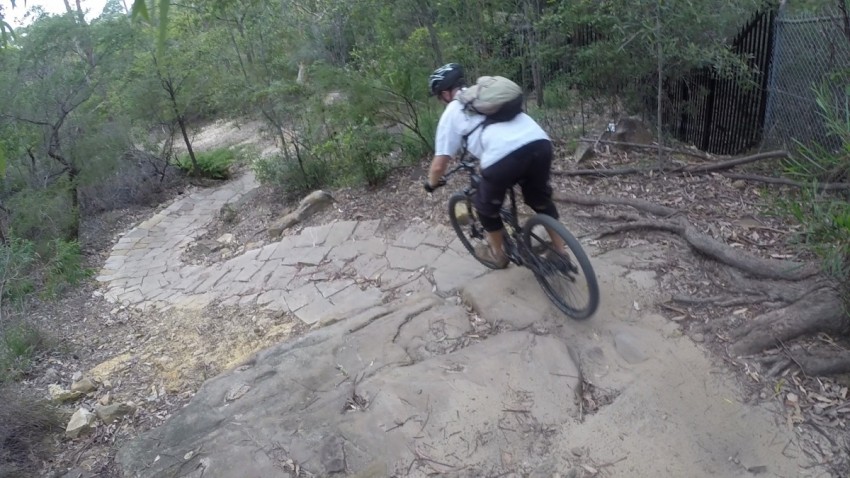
x: 361, y: 151
x: 825, y: 217
x: 214, y: 164
x: 825, y: 228
x: 42, y: 214
x: 27, y: 267
x: 64, y: 267
x: 19, y: 343
x: 287, y: 175
x: 17, y: 261
x: 25, y: 426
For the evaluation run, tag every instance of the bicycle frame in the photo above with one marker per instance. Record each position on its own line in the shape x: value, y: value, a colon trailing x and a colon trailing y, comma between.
x: 516, y: 247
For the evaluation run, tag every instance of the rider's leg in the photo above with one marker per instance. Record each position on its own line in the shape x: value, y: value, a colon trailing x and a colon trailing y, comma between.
x: 491, y: 221
x: 495, y: 181
x: 536, y: 190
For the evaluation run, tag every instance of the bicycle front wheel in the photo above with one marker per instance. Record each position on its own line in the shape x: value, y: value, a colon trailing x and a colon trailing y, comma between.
x: 567, y: 279
x: 465, y: 222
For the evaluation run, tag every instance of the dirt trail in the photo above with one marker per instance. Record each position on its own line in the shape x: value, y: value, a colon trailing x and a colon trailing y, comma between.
x: 419, y: 361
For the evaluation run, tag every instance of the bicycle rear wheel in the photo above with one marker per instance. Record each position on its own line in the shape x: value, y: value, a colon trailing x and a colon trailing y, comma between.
x: 465, y: 222
x: 564, y: 279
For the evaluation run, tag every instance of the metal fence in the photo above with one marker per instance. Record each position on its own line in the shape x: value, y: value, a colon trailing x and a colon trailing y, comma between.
x: 723, y: 115
x: 811, y: 51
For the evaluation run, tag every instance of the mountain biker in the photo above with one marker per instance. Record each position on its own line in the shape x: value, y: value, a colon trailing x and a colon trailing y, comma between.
x: 511, y: 152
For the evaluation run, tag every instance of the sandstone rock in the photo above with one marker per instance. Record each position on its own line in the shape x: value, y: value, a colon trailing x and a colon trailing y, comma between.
x: 313, y: 203
x: 423, y: 387
x: 84, y: 385
x: 226, y: 239
x: 61, y: 395
x: 632, y: 130
x: 81, y: 422
x: 51, y: 375
x: 114, y: 412
x: 584, y: 151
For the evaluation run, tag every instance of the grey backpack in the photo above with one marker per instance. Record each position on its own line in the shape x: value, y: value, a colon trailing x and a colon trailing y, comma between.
x: 496, y: 97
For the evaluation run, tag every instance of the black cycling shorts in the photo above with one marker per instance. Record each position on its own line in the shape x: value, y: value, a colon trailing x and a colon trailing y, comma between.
x: 528, y: 166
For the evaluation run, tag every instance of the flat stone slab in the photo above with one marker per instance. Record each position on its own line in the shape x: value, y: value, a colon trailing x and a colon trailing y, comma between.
x: 368, y: 395
x: 306, y: 274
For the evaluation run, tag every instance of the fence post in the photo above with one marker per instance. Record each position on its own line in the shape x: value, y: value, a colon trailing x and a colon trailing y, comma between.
x: 775, y: 60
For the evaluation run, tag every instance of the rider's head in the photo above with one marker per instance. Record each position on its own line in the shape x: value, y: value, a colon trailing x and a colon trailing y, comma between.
x: 445, y: 79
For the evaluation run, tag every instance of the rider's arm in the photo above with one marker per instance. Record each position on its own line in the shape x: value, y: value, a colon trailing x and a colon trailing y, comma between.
x: 438, y: 167
x: 446, y: 143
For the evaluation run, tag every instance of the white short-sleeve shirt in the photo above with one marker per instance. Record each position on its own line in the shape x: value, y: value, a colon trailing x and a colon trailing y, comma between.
x: 489, y: 144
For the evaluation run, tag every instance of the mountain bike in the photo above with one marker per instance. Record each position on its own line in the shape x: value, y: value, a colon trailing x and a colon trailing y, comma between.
x: 525, y: 246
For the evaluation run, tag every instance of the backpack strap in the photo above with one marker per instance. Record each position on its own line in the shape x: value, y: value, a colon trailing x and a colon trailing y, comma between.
x: 483, y: 124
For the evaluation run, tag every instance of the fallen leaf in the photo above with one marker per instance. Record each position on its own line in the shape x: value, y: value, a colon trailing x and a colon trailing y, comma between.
x: 821, y: 398
x: 593, y: 471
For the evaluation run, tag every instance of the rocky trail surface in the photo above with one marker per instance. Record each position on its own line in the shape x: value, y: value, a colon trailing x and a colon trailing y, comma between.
x: 415, y: 361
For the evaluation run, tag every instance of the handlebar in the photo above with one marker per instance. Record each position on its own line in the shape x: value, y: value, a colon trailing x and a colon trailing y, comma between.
x: 466, y: 164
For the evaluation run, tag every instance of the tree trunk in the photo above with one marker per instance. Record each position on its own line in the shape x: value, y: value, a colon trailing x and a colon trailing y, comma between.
x: 302, y: 73
x: 74, y: 192
x: 435, y: 43
x: 181, y: 121
x: 660, y: 52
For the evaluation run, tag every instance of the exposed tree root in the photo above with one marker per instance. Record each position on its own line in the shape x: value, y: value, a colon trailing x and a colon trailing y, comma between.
x: 721, y: 301
x: 639, y: 204
x: 756, y: 266
x: 822, y: 364
x: 820, y: 311
x: 809, y: 304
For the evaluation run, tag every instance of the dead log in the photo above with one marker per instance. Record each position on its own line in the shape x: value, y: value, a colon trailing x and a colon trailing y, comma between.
x: 820, y: 311
x: 653, y: 147
x: 821, y: 187
x: 731, y: 163
x: 639, y: 204
x: 707, y: 245
x: 689, y: 169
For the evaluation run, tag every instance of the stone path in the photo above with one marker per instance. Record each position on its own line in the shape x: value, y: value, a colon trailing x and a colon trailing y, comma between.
x: 407, y: 385
x: 325, y: 272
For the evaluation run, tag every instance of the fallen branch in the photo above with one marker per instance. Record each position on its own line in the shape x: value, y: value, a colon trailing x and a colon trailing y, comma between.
x: 654, y: 147
x: 731, y: 163
x: 603, y: 172
x: 707, y: 245
x: 638, y: 204
x: 821, y: 187
x: 690, y: 169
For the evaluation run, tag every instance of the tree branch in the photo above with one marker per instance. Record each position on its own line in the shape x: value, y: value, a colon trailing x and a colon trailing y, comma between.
x: 729, y: 164
x: 789, y: 182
